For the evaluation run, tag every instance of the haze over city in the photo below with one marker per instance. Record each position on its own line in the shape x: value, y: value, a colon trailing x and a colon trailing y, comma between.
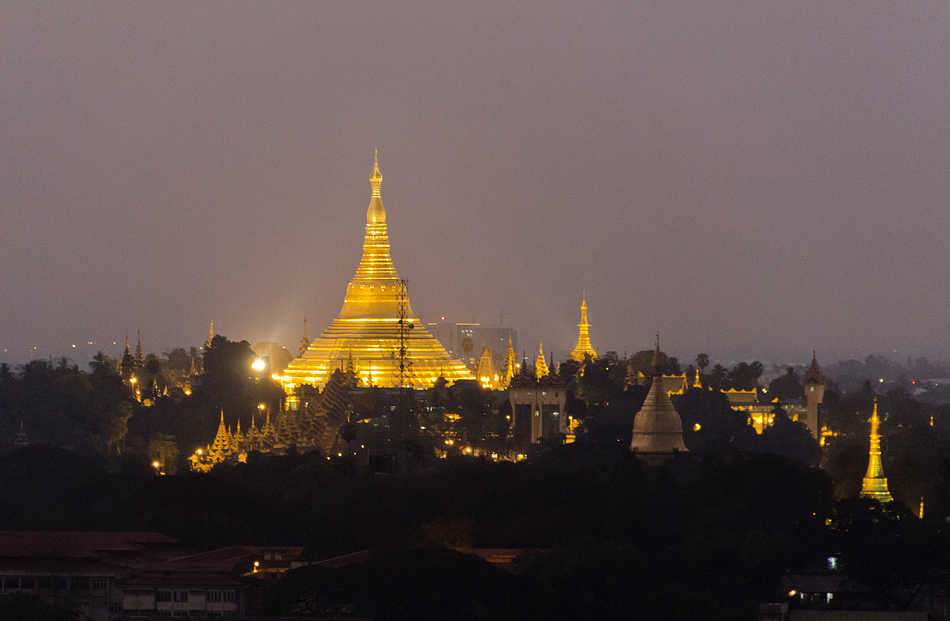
x: 753, y: 180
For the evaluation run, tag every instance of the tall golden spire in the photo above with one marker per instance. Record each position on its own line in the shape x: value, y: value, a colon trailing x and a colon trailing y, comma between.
x: 511, y: 362
x: 210, y: 335
x: 584, y: 348
x: 875, y: 483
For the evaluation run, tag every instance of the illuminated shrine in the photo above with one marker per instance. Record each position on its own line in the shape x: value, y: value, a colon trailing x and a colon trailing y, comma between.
x: 376, y: 333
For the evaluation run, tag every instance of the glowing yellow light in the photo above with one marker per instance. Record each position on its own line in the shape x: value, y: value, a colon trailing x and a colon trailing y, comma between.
x: 258, y: 364
x: 261, y: 406
x: 697, y: 427
x: 199, y: 451
x: 155, y: 464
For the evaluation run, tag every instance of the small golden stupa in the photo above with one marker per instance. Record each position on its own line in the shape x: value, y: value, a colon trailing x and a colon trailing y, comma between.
x: 368, y: 331
x: 583, y: 348
x: 875, y: 483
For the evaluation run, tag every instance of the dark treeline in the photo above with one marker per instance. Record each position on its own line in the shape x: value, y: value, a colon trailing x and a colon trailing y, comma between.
x: 606, y: 536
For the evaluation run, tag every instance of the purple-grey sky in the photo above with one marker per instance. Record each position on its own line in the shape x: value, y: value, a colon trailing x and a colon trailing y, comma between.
x: 752, y: 179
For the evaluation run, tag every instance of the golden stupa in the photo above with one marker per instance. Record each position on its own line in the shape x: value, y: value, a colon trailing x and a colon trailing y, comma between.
x: 875, y: 483
x: 584, y: 348
x: 367, y: 336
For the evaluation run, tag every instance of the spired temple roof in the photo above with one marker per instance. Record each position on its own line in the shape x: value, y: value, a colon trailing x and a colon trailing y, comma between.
x: 657, y: 429
x: 583, y: 348
x: 367, y: 330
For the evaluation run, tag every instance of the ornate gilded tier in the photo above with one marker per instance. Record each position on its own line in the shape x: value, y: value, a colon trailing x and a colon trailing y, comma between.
x: 367, y: 332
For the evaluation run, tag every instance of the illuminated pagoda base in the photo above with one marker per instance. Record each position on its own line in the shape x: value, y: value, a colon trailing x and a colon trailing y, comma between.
x: 367, y: 337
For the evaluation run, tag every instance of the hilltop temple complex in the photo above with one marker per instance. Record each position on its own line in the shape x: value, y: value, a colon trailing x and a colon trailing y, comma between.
x: 376, y: 335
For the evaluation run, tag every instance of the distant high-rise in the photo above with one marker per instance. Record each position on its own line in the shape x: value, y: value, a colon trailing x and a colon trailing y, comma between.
x: 369, y: 331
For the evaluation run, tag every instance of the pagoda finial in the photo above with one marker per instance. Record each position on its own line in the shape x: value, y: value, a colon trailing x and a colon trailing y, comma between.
x: 210, y: 335
x: 376, y: 179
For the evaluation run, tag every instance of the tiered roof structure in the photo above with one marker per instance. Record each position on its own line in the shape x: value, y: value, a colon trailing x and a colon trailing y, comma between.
x: 368, y: 327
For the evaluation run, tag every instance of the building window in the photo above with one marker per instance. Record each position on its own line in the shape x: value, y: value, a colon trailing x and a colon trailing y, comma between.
x: 27, y: 583
x: 11, y: 583
x: 100, y: 584
x: 163, y: 596
x: 181, y: 596
x: 79, y: 584
x: 227, y: 596
x: 214, y: 596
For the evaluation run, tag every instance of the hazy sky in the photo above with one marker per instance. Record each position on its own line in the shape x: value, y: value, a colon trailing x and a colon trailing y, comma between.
x: 751, y: 179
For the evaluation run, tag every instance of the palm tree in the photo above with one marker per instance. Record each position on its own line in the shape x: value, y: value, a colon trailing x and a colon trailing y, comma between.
x: 702, y: 361
x: 757, y: 370
x: 718, y: 375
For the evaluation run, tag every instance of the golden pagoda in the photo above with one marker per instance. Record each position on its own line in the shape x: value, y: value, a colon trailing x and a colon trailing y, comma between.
x: 370, y: 326
x: 875, y: 483
x: 583, y: 348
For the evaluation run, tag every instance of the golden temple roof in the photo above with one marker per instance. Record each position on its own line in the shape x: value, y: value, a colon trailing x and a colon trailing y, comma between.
x: 583, y: 348
x: 368, y: 327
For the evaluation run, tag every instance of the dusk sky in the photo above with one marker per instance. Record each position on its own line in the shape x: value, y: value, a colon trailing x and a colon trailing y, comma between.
x: 749, y: 179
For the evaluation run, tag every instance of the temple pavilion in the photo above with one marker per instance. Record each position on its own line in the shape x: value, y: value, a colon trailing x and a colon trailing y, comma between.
x: 376, y: 335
